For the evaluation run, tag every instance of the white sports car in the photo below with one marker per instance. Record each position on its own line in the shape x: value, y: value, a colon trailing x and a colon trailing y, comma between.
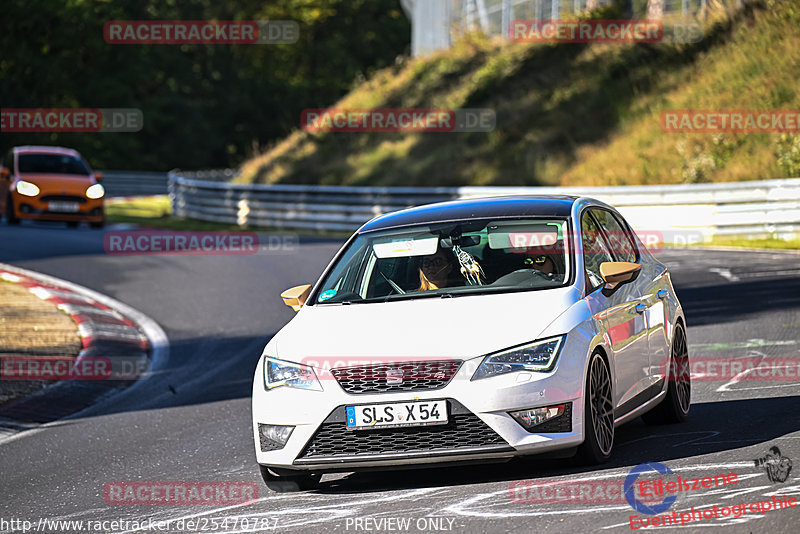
x: 474, y: 330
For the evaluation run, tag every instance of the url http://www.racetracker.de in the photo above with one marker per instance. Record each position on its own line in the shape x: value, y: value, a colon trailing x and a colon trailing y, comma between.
x: 195, y: 524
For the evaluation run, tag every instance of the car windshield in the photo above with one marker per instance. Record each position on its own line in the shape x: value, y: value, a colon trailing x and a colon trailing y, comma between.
x: 51, y: 164
x: 450, y: 259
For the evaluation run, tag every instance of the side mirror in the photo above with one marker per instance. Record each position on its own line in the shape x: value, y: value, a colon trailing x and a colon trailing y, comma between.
x: 618, y: 272
x: 4, y: 173
x: 98, y: 176
x: 296, y: 296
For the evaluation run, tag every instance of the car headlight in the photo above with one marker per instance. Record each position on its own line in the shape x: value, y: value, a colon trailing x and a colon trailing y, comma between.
x: 537, y: 356
x: 280, y: 373
x: 26, y: 188
x: 95, y: 191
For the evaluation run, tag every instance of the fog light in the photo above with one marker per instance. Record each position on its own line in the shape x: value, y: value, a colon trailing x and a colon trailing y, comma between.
x: 536, y: 416
x: 273, y: 437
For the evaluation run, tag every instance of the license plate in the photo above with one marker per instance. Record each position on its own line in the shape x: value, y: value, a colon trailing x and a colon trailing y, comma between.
x: 68, y: 207
x: 422, y: 413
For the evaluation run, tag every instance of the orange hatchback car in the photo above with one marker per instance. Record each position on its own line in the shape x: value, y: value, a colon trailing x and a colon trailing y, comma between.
x: 50, y: 184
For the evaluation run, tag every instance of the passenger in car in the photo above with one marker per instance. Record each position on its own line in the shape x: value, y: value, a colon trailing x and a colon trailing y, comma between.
x: 542, y: 263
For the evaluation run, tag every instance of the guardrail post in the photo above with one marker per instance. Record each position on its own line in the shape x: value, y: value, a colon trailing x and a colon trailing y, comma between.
x: 506, y: 18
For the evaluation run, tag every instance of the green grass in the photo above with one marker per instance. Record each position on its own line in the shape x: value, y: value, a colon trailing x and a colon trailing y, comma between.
x: 155, y: 212
x: 780, y: 244
x: 741, y: 242
x: 568, y: 114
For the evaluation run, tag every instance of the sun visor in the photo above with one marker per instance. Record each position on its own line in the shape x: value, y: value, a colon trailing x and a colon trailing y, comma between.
x: 525, y: 237
x: 401, y: 248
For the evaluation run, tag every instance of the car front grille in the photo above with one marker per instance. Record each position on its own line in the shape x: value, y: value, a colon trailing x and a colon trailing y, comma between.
x: 63, y: 198
x: 463, y: 431
x: 390, y: 377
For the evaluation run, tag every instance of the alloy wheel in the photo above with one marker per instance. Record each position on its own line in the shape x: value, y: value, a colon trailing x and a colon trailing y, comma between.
x: 602, y: 405
x: 683, y: 384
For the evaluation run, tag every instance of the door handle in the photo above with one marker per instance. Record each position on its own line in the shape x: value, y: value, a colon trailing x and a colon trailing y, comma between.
x: 662, y: 293
x: 641, y: 308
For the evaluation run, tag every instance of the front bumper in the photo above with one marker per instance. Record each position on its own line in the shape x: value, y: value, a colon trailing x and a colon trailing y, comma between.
x: 34, y: 208
x: 479, y: 426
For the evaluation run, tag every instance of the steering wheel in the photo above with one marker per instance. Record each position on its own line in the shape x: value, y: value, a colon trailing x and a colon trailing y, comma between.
x: 393, y: 284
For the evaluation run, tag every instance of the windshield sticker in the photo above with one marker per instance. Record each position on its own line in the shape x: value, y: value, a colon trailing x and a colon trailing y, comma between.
x: 399, y: 248
x: 325, y: 295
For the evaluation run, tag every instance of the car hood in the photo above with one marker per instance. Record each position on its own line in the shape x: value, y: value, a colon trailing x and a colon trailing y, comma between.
x: 458, y: 327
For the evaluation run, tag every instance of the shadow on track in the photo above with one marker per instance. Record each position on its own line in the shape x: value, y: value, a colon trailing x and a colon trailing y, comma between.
x: 712, y: 427
x: 713, y: 304
x: 199, y: 371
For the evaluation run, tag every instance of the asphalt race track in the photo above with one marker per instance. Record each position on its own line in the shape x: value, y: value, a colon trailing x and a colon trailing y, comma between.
x: 191, y: 420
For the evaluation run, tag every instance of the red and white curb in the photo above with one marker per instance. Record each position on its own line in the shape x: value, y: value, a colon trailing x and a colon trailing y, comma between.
x: 105, y: 325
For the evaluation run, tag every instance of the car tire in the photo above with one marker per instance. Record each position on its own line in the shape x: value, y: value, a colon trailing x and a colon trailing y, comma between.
x: 675, y: 406
x: 289, y: 483
x: 72, y: 224
x: 98, y: 224
x: 598, y: 414
x: 11, y: 217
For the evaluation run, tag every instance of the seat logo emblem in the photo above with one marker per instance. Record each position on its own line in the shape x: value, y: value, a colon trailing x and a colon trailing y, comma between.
x: 394, y: 377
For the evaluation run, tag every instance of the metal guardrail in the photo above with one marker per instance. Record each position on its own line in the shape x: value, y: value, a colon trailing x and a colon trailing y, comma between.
x: 322, y: 208
x: 145, y: 183
x: 768, y: 208
x: 134, y: 183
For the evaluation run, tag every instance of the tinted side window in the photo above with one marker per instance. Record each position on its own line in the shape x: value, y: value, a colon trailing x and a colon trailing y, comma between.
x: 595, y: 250
x: 618, y: 238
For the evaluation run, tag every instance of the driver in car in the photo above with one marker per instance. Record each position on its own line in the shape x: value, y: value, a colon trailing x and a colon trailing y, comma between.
x: 437, y: 271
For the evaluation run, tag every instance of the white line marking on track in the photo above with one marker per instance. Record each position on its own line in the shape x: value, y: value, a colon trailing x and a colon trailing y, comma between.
x: 725, y: 273
x: 472, y: 506
x: 307, y: 509
x: 707, y: 433
x: 736, y: 379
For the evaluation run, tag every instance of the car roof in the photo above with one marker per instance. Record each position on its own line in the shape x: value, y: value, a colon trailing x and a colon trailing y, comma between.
x: 477, y: 208
x: 32, y: 149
